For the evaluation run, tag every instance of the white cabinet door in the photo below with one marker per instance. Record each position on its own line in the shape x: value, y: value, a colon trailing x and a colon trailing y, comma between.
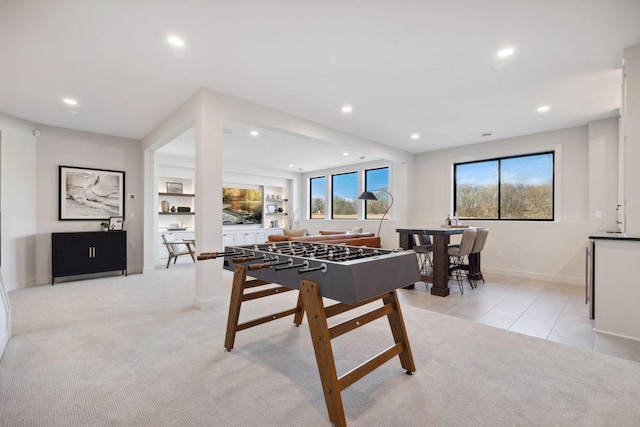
x: 228, y: 239
x: 260, y: 237
x: 245, y: 237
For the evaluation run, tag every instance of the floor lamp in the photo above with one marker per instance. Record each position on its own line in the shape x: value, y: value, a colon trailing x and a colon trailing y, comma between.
x: 368, y: 195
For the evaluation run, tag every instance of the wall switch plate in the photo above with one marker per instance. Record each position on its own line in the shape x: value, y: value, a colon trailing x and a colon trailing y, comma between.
x: 499, y: 254
x: 598, y: 215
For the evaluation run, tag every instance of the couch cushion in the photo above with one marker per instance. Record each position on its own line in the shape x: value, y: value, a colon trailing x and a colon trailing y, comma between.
x: 329, y: 232
x: 278, y: 238
x: 295, y: 233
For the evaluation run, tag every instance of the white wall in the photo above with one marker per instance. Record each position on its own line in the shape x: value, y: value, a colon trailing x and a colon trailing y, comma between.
x: 603, y: 173
x: 57, y: 146
x: 551, y: 251
x: 631, y: 114
x: 18, y: 202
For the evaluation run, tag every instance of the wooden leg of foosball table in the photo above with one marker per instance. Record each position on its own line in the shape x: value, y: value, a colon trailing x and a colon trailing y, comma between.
x: 399, y: 332
x: 237, y: 289
x: 297, y: 319
x: 317, y: 319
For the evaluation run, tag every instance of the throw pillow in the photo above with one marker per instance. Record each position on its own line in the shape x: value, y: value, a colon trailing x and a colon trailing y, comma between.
x: 278, y: 238
x: 295, y: 233
x: 356, y: 230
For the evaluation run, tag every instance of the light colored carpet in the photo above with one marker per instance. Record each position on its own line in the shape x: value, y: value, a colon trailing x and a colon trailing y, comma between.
x: 134, y: 351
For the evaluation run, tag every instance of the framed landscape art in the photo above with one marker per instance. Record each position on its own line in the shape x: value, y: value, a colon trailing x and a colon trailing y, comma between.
x: 241, y: 206
x: 90, y: 194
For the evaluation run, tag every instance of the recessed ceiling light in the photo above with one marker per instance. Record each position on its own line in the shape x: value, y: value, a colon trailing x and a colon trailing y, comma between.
x: 290, y: 166
x: 506, y: 52
x: 175, y: 41
x: 70, y: 101
x: 415, y: 136
x: 254, y: 133
x: 345, y: 154
x: 347, y: 109
x: 543, y: 109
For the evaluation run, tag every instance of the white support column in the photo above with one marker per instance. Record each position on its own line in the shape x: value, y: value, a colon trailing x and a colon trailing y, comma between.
x: 208, y: 190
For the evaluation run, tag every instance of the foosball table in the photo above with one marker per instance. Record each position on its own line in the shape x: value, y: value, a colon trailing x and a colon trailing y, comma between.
x: 351, y: 275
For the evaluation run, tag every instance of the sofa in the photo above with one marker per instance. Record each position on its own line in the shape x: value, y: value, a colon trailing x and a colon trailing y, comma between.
x: 332, y: 237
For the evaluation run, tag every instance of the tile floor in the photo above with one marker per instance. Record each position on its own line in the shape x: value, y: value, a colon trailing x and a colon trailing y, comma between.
x: 548, y: 310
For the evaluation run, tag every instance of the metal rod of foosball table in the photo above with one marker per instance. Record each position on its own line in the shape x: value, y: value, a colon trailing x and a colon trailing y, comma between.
x: 268, y: 263
x: 355, y: 256
x: 322, y: 267
x: 289, y: 261
x: 213, y: 255
x: 304, y: 264
x: 248, y: 258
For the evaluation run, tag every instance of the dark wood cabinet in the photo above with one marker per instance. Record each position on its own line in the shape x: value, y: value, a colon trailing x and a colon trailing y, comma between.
x: 88, y: 252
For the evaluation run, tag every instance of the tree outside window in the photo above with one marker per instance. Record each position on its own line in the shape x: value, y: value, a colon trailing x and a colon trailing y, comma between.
x: 377, y: 179
x: 508, y: 188
x: 317, y: 203
x: 344, y: 193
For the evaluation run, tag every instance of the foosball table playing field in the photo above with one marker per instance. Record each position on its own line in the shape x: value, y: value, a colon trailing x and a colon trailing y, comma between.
x: 352, y: 275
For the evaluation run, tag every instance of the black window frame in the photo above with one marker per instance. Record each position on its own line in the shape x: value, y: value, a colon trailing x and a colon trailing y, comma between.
x: 324, y: 177
x: 365, y: 189
x: 332, y: 196
x: 499, y: 160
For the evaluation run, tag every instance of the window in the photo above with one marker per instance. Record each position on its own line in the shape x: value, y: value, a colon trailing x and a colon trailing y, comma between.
x: 344, y: 194
x: 317, y: 201
x: 507, y: 188
x: 376, y: 179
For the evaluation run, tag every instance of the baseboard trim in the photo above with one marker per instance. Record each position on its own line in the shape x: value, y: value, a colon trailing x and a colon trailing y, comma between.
x: 579, y: 281
x: 600, y: 331
x: 210, y: 303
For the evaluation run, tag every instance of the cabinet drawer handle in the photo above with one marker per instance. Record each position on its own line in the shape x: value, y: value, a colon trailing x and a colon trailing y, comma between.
x: 90, y: 252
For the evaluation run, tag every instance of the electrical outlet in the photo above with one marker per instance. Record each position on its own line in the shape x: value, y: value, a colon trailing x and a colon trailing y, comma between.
x: 499, y: 254
x: 131, y: 196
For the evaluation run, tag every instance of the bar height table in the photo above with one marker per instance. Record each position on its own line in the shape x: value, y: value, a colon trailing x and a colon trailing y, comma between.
x: 440, y: 241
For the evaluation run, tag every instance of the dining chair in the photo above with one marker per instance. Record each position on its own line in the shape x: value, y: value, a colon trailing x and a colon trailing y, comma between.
x: 424, y: 250
x: 177, y: 247
x: 478, y: 245
x: 457, y: 266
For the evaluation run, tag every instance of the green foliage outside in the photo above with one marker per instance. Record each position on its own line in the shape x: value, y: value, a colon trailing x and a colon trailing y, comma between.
x: 377, y: 208
x: 518, y: 201
x: 317, y: 207
x: 344, y: 208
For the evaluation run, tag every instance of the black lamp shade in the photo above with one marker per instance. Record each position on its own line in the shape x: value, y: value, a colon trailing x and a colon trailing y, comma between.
x: 367, y: 195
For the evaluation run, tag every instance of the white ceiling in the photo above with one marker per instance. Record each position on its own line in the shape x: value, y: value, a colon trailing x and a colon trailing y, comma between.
x: 269, y: 150
x: 406, y: 66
